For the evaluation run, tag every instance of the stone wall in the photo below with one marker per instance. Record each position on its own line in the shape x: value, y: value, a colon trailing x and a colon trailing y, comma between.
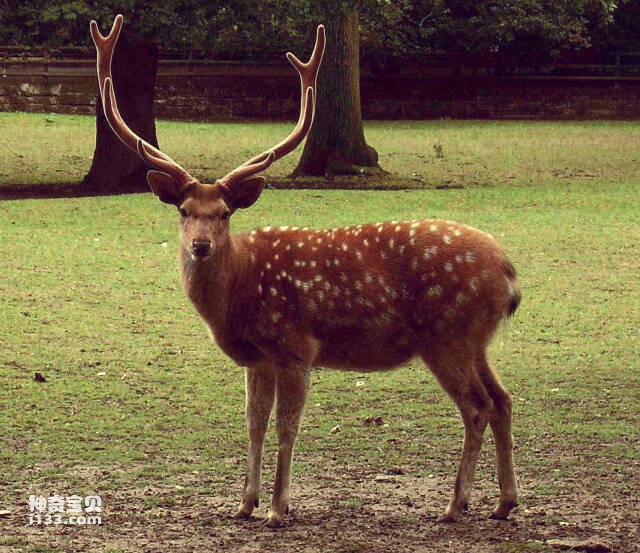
x: 228, y: 91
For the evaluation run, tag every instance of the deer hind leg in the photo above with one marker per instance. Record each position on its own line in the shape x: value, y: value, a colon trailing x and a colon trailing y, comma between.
x: 454, y: 368
x: 260, y: 390
x: 291, y: 390
x: 500, y: 422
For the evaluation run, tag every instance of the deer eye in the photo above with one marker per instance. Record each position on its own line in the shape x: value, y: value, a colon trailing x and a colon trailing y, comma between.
x: 225, y: 215
x: 183, y: 212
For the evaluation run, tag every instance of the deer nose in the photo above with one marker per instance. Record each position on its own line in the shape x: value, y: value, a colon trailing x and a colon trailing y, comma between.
x: 201, y: 248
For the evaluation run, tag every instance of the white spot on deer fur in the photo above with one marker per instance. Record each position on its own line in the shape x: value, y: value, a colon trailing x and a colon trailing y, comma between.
x: 273, y: 291
x: 365, y: 242
x: 434, y: 291
x: 380, y: 228
x: 320, y: 295
x: 327, y: 262
x: 368, y: 278
x: 284, y: 228
x: 448, y: 267
x: 383, y: 254
x: 275, y: 317
x: 446, y: 239
x: 412, y: 232
x: 381, y: 280
x: 457, y: 232
x: 398, y: 228
x: 415, y: 224
x: 275, y: 244
x: 459, y: 258
x: 307, y: 285
x: 300, y: 244
x: 278, y: 277
x: 327, y: 285
x: 283, y: 274
x: 433, y: 228
x: 296, y: 263
x: 336, y: 262
x: 470, y: 257
x: 344, y: 277
x: 252, y: 256
x: 276, y: 257
x: 312, y: 305
x: 414, y: 263
x: 359, y: 255
x: 344, y: 246
x: 392, y: 243
x: 357, y: 285
x: 260, y: 289
x: 474, y: 283
x: 412, y: 241
x: 461, y: 298
x: 336, y: 291
x: 252, y: 238
x: 298, y: 283
x: 267, y: 265
x: 267, y: 229
x: 287, y: 247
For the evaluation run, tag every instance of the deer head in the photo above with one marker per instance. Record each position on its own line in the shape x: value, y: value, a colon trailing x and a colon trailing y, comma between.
x: 204, y: 208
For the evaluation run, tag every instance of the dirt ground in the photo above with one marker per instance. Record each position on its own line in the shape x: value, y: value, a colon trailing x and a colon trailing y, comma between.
x: 344, y: 511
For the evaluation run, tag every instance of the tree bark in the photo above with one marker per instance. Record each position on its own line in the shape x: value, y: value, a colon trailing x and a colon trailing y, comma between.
x: 336, y: 144
x: 115, y: 168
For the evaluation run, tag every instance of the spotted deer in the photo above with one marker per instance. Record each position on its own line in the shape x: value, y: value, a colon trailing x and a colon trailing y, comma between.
x: 280, y: 300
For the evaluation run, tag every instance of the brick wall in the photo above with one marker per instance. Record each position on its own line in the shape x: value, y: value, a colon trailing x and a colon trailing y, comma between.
x: 227, y: 91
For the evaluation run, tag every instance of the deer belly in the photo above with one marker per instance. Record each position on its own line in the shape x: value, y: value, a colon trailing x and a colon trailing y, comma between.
x: 357, y: 351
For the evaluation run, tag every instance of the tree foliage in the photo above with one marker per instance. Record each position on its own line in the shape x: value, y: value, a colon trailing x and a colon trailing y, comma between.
x: 503, y: 32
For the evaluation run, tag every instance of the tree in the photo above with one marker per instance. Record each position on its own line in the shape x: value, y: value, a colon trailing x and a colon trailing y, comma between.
x: 134, y: 67
x: 336, y: 142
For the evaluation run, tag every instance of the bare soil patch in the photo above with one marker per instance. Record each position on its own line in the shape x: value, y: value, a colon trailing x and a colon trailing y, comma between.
x: 345, y: 511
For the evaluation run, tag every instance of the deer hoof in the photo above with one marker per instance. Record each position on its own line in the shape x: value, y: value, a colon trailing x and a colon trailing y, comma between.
x: 502, y: 511
x: 448, y: 518
x: 273, y: 521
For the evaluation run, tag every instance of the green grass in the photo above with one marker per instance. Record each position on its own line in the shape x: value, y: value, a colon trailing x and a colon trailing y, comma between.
x: 92, y: 301
x: 58, y: 149
x: 137, y: 395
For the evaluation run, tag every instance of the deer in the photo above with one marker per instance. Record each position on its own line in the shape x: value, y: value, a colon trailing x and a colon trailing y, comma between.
x: 283, y: 300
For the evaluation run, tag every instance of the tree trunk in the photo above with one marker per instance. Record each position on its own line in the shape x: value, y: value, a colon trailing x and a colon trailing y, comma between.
x: 336, y: 143
x: 115, y: 168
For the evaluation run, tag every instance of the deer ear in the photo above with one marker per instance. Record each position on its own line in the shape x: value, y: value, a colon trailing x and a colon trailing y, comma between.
x: 164, y: 186
x: 244, y: 193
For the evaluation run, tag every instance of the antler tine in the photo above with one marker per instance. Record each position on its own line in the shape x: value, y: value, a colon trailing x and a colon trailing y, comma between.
x: 308, y: 73
x: 105, y: 46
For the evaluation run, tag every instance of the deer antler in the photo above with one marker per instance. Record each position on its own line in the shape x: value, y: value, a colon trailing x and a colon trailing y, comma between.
x: 308, y: 73
x: 105, y: 46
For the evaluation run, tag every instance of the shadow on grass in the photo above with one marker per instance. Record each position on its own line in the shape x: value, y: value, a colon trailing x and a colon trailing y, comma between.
x: 384, y: 181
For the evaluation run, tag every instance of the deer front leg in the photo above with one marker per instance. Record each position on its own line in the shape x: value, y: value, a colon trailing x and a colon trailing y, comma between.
x: 260, y: 390
x: 292, y: 386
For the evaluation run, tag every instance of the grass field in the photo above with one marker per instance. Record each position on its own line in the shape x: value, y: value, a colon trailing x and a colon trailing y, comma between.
x: 139, y: 407
x: 58, y: 149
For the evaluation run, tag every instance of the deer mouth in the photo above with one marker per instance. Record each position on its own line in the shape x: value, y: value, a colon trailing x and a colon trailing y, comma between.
x: 200, y: 250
